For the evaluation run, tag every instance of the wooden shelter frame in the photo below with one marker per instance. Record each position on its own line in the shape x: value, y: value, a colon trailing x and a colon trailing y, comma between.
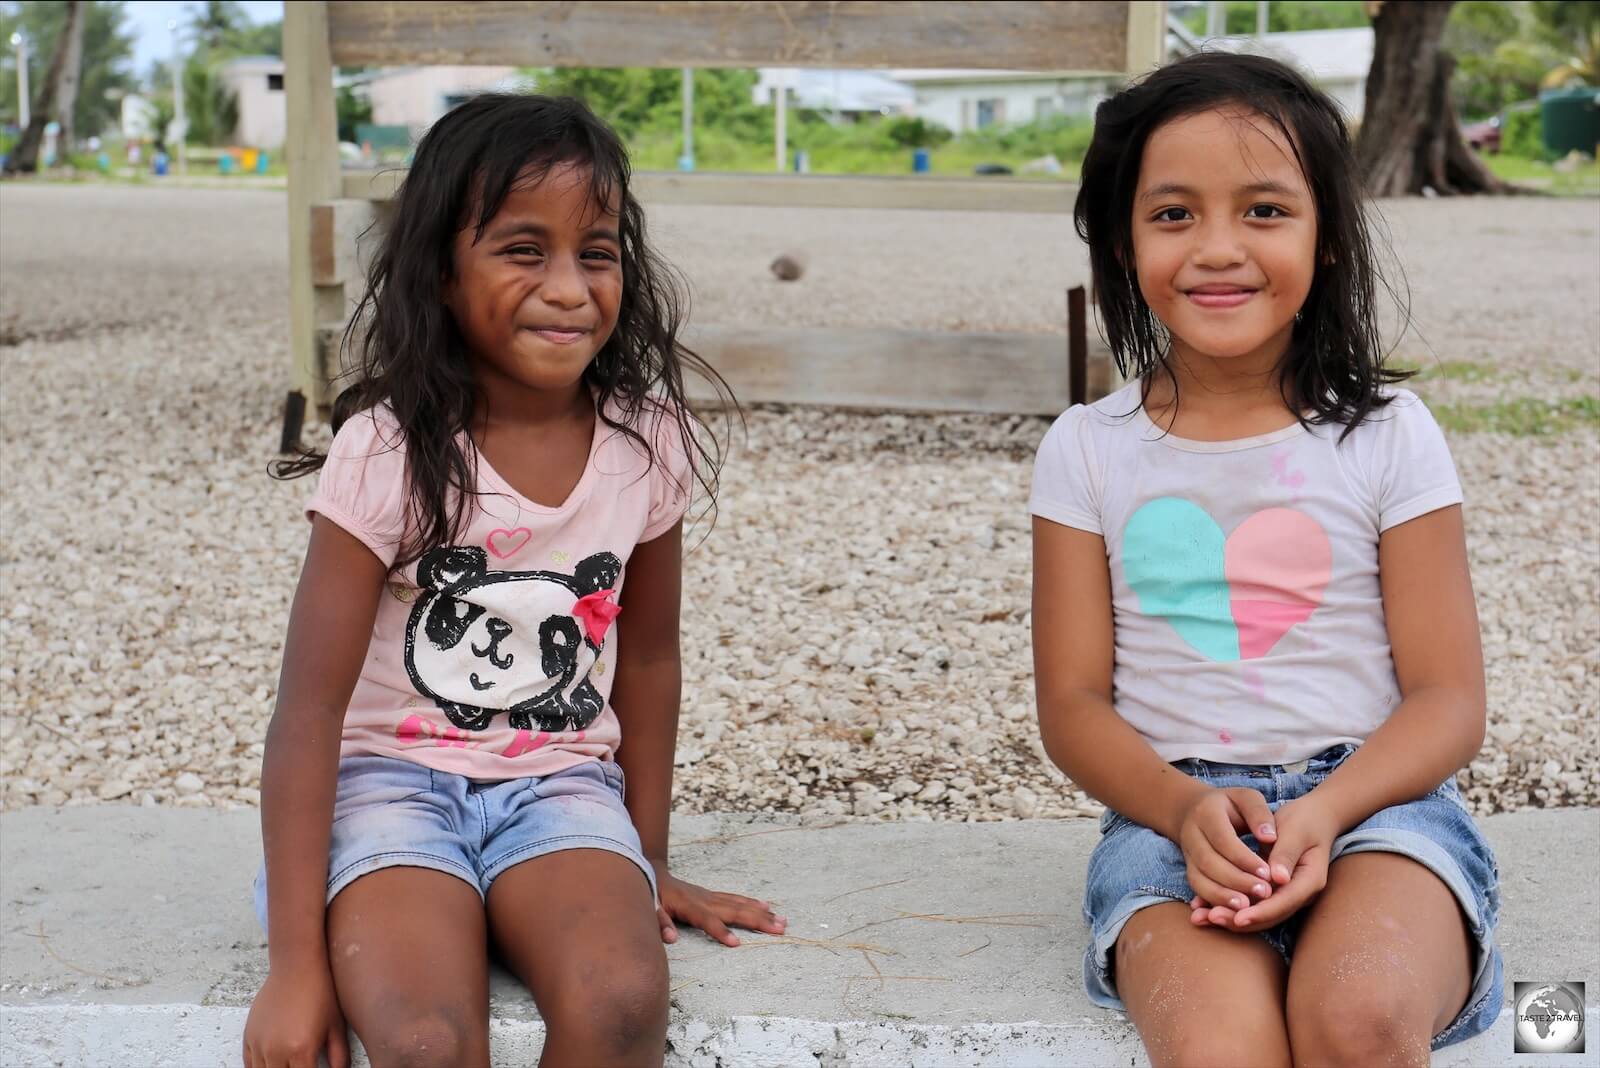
x: 329, y: 208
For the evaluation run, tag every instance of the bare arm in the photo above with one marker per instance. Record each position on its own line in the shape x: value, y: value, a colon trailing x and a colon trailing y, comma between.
x: 296, y: 1013
x: 330, y: 626
x: 1074, y: 651
x: 1438, y: 726
x: 1438, y: 661
x: 645, y: 698
x: 1072, y: 662
x: 648, y: 686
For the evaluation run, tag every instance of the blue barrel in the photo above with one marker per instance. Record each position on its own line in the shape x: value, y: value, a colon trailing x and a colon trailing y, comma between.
x: 921, y: 161
x: 261, y: 162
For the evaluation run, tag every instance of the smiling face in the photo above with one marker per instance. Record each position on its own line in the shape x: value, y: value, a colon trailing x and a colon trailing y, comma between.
x: 1224, y: 234
x: 536, y: 296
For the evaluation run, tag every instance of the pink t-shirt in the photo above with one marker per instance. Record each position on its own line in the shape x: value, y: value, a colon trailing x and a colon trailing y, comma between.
x: 493, y: 657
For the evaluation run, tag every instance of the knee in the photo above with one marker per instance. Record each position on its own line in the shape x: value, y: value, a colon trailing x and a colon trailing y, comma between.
x: 433, y: 1039
x: 1356, y: 1026
x: 1202, y: 1049
x: 618, y: 1009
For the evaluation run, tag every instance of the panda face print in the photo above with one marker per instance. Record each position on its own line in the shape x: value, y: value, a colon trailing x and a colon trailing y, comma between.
x: 480, y: 643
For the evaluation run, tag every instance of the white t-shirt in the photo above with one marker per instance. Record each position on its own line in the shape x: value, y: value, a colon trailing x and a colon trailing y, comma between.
x: 1244, y: 574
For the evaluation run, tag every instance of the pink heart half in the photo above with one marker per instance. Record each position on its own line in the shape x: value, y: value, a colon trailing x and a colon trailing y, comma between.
x: 505, y: 543
x: 1277, y: 564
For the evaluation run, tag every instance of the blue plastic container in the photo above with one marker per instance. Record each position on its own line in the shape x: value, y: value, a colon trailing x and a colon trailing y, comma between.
x: 921, y: 161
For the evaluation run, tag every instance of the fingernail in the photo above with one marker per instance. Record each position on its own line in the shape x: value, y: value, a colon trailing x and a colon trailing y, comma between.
x: 780, y: 919
x: 1265, y: 828
x: 1260, y: 890
x: 1263, y: 873
x: 1239, y: 902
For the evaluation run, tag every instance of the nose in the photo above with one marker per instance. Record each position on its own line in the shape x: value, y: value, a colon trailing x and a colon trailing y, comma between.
x: 564, y: 284
x: 1217, y: 245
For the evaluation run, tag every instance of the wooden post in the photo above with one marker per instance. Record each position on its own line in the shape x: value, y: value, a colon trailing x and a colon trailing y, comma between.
x: 1147, y: 35
x: 1077, y: 347
x: 311, y: 153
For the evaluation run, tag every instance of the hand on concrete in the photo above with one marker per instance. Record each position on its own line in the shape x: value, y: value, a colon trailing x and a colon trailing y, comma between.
x: 1298, y: 862
x: 711, y: 911
x: 293, y: 1019
x: 1222, y: 870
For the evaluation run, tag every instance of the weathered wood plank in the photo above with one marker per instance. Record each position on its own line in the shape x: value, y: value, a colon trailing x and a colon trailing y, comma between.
x: 1076, y: 35
x: 336, y: 229
x: 806, y: 191
x: 913, y: 370
x: 312, y: 154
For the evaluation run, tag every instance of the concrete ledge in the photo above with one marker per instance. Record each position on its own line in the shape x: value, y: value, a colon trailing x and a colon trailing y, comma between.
x: 126, y: 939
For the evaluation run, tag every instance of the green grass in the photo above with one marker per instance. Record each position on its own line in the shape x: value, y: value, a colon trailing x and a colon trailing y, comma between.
x: 1536, y: 173
x: 1457, y: 371
x: 1524, y: 417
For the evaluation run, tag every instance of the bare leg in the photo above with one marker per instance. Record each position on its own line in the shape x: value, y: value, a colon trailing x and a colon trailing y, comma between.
x: 1201, y: 996
x: 579, y: 928
x: 1383, y: 964
x: 410, y: 964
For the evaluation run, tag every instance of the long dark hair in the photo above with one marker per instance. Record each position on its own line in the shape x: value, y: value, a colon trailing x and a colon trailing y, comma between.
x: 413, y: 358
x: 1334, y: 369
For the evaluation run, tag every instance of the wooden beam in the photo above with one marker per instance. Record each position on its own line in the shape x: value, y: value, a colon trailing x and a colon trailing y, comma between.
x: 311, y: 153
x: 1084, y: 35
x: 336, y: 230
x: 914, y: 370
x: 1147, y: 35
x: 806, y: 191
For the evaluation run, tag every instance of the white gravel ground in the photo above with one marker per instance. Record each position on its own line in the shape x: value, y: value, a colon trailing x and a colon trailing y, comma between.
x: 856, y: 633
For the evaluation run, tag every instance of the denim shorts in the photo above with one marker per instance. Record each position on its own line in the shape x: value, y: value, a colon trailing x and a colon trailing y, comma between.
x: 389, y: 812
x: 1133, y: 867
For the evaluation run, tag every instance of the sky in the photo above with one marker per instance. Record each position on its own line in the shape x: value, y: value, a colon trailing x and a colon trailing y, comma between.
x: 147, y: 22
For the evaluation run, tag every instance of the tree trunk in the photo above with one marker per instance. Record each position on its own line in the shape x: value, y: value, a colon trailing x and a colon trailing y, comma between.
x: 26, y: 156
x: 1410, y: 137
x: 71, y: 75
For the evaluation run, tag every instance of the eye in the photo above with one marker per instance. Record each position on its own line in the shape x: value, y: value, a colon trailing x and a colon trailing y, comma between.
x: 1266, y: 211
x: 1170, y: 215
x: 600, y: 255
x: 524, y: 250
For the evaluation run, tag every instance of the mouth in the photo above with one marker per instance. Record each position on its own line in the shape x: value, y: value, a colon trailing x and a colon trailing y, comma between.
x: 1219, y: 296
x: 560, y: 335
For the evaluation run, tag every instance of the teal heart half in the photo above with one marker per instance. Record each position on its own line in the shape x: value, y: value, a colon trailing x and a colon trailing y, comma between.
x: 1173, y: 559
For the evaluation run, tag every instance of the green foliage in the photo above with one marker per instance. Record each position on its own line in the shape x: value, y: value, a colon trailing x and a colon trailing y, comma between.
x: 107, y: 51
x: 634, y: 99
x: 212, y: 110
x: 1521, y: 134
x: 915, y: 133
x: 1064, y: 136
x: 1284, y: 17
x: 1501, y: 56
x: 353, y: 111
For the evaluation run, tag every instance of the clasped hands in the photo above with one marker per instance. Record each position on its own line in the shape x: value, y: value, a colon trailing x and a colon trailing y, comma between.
x: 1237, y: 888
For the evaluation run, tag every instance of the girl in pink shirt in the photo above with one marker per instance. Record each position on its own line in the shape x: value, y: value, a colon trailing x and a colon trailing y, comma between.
x: 489, y: 606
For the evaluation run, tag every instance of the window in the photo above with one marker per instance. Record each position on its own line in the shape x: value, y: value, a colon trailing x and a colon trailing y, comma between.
x: 274, y: 83
x: 1044, y: 107
x: 991, y: 111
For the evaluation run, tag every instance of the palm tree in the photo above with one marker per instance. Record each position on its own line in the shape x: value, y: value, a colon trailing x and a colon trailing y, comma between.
x: 1581, y: 69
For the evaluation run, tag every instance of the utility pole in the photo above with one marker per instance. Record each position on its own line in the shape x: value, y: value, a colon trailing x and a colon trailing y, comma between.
x: 686, y: 160
x: 780, y: 102
x: 20, y: 43
x: 179, y: 122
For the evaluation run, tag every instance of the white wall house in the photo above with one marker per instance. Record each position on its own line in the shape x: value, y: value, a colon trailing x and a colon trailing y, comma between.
x: 965, y: 100
x: 417, y: 97
x: 1336, y: 60
x: 848, y: 92
x: 257, y: 83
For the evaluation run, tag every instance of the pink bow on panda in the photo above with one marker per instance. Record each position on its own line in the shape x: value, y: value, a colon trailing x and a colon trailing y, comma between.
x: 597, y: 611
